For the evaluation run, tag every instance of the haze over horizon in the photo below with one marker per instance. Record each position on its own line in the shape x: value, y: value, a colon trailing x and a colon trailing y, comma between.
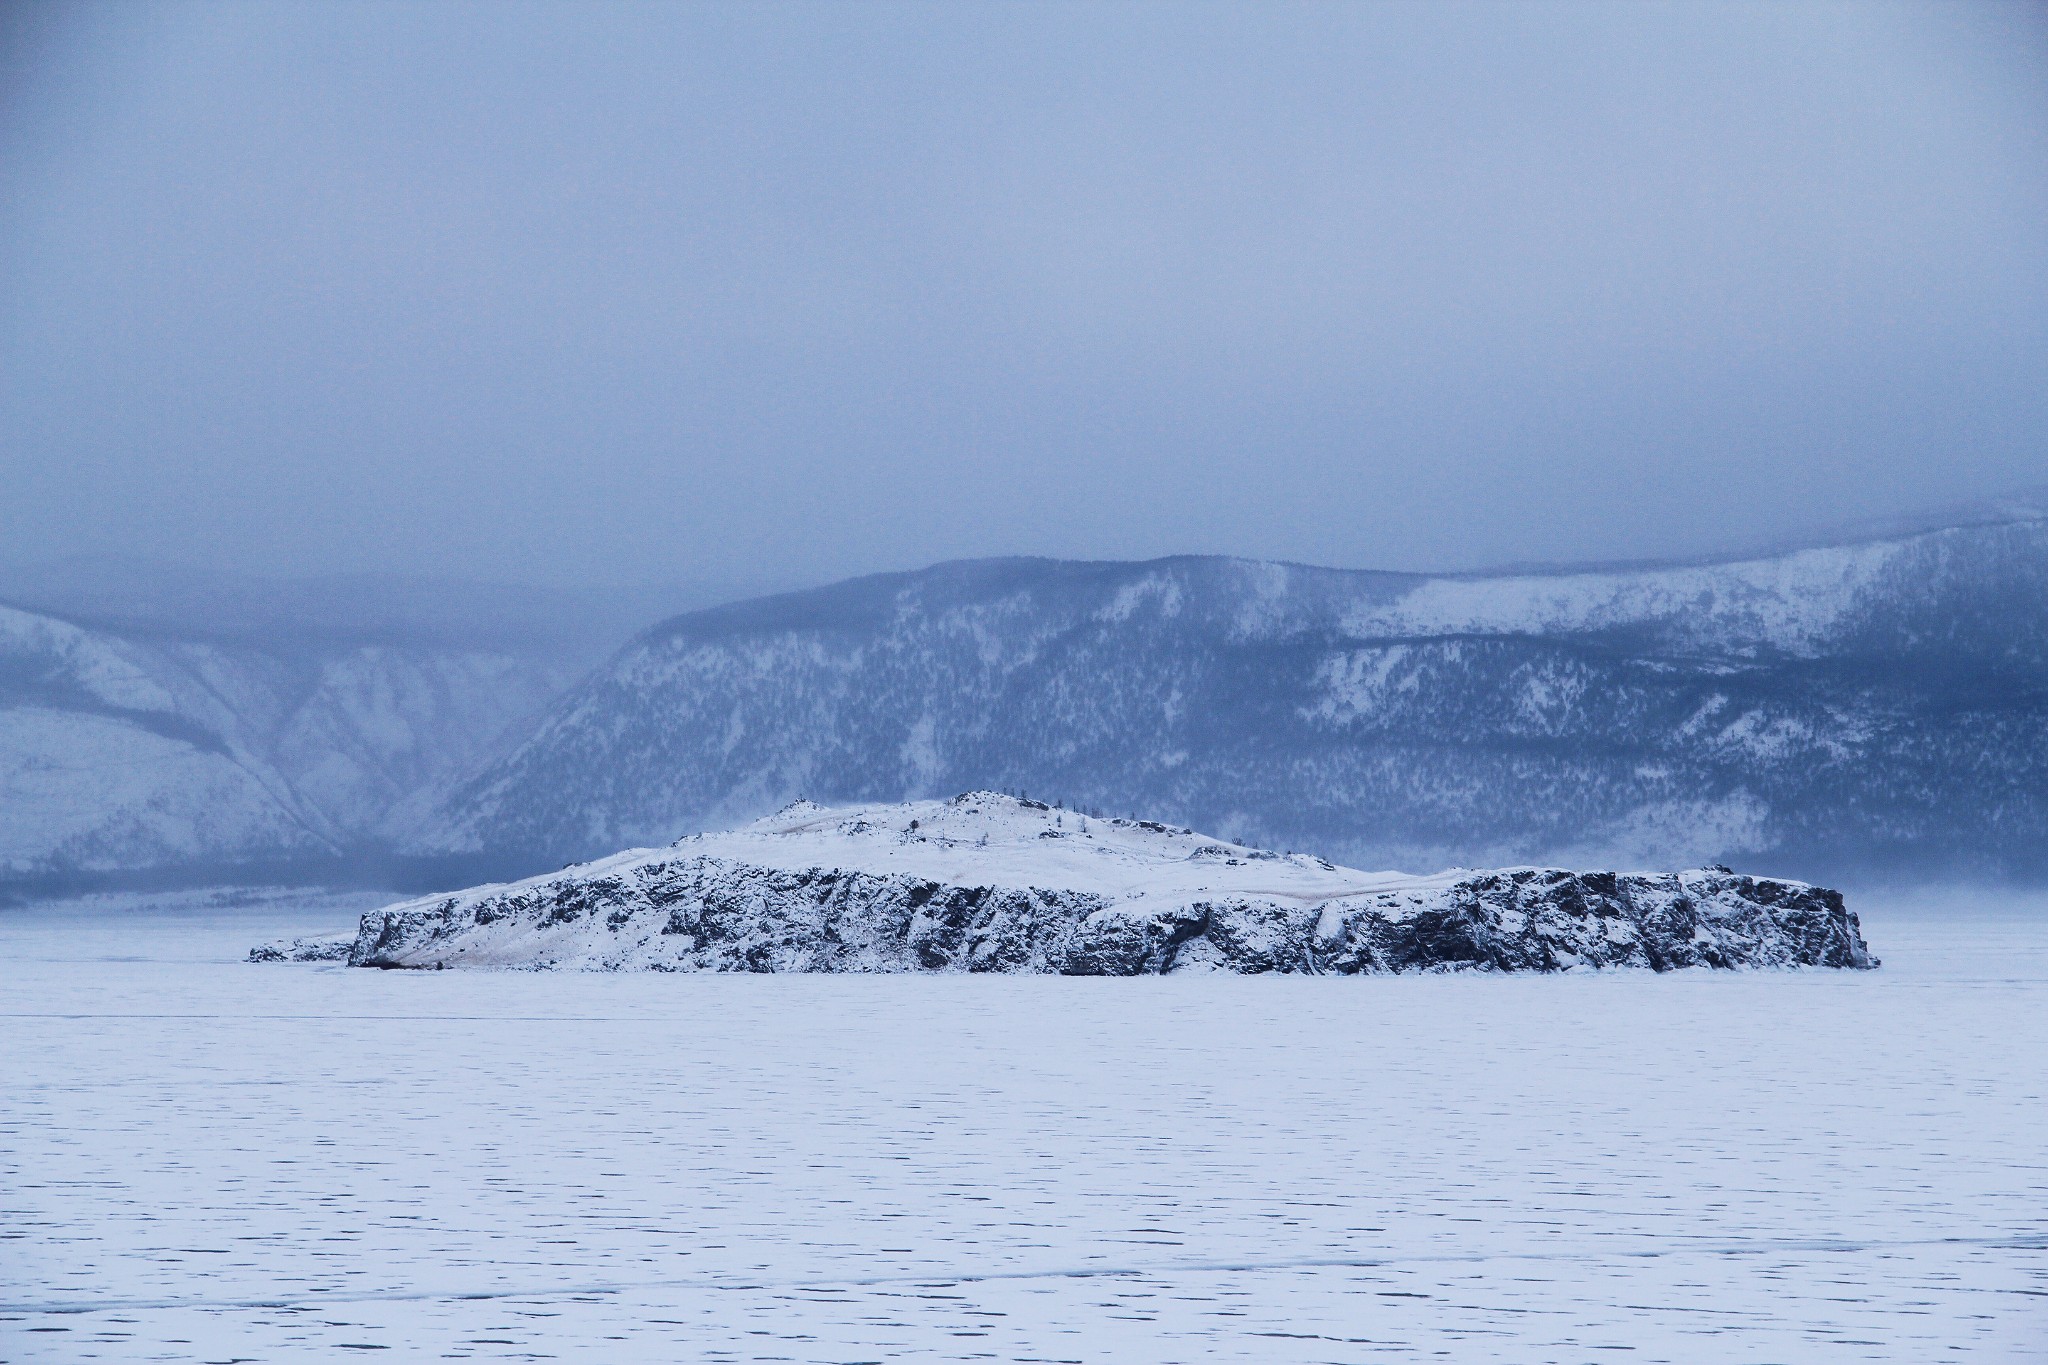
x: 777, y: 296
x: 588, y: 618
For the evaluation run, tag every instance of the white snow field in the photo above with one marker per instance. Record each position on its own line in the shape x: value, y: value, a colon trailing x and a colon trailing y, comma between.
x: 206, y: 1160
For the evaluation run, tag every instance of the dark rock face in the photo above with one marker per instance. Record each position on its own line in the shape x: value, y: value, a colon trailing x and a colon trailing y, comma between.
x: 304, y: 950
x: 1547, y: 920
x: 715, y: 914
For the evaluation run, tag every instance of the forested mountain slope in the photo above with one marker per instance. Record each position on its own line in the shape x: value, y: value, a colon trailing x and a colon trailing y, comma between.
x: 1880, y: 704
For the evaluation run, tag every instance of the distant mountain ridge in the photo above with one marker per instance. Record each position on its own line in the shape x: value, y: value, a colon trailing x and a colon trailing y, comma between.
x: 153, y: 600
x: 163, y: 725
x: 1880, y: 704
x: 121, y: 753
x: 1877, y: 704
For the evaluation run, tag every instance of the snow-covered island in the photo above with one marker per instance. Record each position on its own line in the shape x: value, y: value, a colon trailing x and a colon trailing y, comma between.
x: 989, y: 882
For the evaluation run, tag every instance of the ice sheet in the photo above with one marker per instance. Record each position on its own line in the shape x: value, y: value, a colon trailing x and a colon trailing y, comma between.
x: 206, y: 1160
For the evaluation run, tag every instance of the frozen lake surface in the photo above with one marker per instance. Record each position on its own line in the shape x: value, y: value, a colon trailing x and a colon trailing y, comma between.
x: 204, y: 1160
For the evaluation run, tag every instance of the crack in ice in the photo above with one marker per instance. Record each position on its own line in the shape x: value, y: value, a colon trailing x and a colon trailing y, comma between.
x: 1822, y: 1246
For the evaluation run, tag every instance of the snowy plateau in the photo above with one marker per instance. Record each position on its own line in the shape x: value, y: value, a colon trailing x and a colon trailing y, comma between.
x: 988, y: 882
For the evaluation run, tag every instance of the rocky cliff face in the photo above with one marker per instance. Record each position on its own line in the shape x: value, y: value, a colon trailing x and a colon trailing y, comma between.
x: 1871, y: 706
x: 986, y: 882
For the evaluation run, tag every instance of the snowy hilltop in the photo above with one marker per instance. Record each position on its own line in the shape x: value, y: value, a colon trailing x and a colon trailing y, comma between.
x: 990, y: 882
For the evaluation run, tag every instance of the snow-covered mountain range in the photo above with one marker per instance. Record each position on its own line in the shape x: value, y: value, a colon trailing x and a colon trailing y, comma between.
x: 1881, y: 704
x: 139, y: 751
x: 988, y: 882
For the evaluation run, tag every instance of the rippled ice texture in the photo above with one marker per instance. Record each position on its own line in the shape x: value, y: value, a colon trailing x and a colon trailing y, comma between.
x: 202, y: 1160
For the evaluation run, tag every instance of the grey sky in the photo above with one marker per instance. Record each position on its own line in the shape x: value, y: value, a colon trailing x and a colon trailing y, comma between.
x: 586, y: 294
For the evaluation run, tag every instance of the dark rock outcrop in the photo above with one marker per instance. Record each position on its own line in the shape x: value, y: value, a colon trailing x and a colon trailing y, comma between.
x: 712, y: 914
x: 334, y: 949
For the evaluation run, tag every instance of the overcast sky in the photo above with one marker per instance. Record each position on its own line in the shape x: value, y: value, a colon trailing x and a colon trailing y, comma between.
x: 605, y: 294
